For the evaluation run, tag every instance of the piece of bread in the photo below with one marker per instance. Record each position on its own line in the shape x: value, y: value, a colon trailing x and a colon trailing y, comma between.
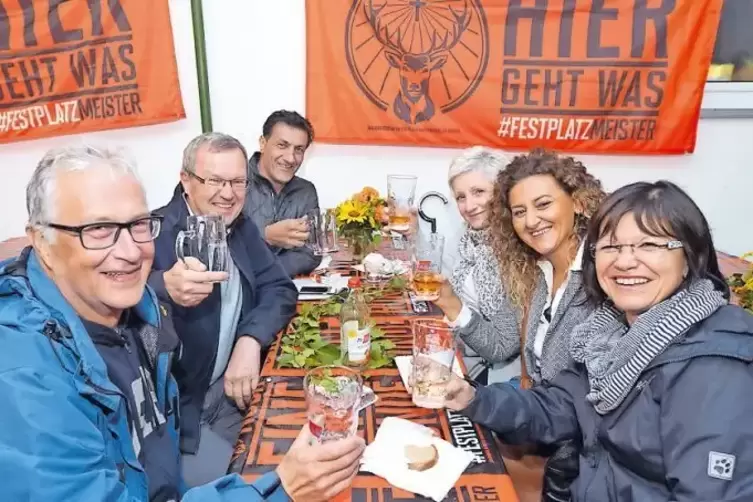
x: 421, y: 458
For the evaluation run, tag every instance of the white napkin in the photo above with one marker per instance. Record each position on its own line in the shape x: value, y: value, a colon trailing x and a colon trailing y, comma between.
x: 324, y: 263
x: 405, y: 367
x: 385, y: 458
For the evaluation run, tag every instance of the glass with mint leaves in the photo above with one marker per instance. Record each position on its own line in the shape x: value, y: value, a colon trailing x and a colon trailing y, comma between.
x: 332, y: 397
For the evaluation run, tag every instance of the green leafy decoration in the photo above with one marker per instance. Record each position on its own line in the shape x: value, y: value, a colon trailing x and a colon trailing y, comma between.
x: 742, y: 285
x: 304, y: 347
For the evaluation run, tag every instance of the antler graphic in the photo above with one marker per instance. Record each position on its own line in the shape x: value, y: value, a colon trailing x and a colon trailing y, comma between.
x: 381, y: 32
x: 394, y: 41
x: 462, y: 20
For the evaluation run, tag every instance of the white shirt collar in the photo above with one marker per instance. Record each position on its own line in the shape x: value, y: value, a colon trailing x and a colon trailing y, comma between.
x: 188, y: 206
x: 575, y: 265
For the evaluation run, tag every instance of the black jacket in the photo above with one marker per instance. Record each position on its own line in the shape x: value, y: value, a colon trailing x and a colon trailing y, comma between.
x: 265, y: 206
x: 269, y: 298
x: 683, y: 429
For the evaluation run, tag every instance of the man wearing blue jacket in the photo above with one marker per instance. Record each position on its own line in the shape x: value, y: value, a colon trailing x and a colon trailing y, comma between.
x: 225, y: 320
x: 90, y: 407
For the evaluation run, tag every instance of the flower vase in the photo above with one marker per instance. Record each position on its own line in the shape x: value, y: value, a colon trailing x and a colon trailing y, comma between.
x: 359, y: 248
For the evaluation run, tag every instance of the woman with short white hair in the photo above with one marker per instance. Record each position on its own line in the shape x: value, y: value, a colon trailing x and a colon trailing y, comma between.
x: 473, y: 300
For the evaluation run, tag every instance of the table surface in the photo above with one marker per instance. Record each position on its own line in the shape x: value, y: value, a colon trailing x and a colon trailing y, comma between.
x: 278, y: 412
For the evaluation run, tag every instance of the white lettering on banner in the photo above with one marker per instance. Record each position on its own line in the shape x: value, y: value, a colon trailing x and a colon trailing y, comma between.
x: 39, y: 116
x: 575, y: 129
x: 466, y: 437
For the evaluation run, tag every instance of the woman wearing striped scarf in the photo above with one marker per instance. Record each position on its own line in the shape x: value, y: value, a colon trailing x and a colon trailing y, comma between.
x: 659, y: 392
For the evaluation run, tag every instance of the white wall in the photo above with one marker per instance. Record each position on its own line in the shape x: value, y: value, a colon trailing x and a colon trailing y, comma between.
x: 257, y: 64
x: 156, y: 149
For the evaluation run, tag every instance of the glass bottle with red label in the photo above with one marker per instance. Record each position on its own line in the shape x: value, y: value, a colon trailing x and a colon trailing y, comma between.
x: 355, y: 327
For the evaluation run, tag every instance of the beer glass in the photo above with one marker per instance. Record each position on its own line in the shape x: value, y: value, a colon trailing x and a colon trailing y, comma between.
x: 205, y: 238
x: 401, y: 194
x: 433, y: 355
x: 427, y: 267
x: 322, y: 232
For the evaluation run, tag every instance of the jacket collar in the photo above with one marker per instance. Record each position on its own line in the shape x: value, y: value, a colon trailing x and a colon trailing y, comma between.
x: 91, y: 365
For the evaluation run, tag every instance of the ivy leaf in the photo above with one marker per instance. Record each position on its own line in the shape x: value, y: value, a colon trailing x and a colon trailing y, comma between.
x: 299, y: 360
x: 285, y: 360
x: 387, y: 344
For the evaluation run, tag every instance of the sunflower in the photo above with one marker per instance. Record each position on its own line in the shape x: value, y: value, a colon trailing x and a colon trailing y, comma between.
x: 351, y: 211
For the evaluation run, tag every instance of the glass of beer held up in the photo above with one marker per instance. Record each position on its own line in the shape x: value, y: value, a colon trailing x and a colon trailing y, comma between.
x: 427, y: 266
x: 401, y: 194
x: 433, y: 355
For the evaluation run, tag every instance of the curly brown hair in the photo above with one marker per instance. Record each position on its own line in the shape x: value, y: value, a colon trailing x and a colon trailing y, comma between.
x: 517, y: 261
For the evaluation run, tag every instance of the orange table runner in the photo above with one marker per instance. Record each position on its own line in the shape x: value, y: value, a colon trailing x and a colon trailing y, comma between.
x: 278, y: 412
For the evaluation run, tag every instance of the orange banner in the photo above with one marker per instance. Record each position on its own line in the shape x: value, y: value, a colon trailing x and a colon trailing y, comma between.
x: 617, y: 76
x: 77, y: 66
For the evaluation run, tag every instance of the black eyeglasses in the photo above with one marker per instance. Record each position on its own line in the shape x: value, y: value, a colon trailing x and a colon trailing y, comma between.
x: 239, y: 184
x: 103, y: 235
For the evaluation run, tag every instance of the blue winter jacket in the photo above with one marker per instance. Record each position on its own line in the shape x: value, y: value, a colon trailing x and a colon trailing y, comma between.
x: 63, y: 427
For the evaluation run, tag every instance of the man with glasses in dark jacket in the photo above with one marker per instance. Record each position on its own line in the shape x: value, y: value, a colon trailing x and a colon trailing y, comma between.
x: 226, y: 320
x: 278, y: 200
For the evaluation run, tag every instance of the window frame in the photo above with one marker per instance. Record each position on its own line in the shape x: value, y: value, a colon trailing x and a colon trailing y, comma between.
x: 727, y: 100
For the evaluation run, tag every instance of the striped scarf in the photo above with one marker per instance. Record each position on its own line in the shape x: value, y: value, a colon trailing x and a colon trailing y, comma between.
x: 615, y: 354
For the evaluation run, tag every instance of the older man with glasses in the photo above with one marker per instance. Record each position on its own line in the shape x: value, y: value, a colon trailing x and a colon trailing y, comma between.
x: 89, y: 403
x: 224, y: 319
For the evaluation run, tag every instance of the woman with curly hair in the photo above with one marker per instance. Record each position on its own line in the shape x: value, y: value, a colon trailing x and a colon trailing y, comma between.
x: 539, y: 217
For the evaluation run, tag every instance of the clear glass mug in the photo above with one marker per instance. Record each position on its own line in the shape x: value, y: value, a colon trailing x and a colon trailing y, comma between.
x: 205, y: 238
x: 401, y: 194
x: 433, y: 356
x: 426, y: 273
x: 322, y: 232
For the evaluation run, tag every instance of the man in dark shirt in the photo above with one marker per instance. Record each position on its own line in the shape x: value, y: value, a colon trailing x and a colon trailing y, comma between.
x: 277, y: 199
x: 129, y: 369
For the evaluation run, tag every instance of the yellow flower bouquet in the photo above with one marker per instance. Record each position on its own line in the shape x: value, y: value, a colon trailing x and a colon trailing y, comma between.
x: 360, y: 220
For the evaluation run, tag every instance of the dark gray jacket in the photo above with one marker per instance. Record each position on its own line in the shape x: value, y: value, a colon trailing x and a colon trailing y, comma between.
x: 680, y: 433
x: 572, y: 310
x: 265, y: 206
x: 497, y: 337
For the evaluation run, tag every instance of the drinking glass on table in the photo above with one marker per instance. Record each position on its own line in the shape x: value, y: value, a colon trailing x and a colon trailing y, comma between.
x: 322, y: 232
x: 426, y: 277
x: 401, y: 194
x: 205, y: 238
x: 433, y: 354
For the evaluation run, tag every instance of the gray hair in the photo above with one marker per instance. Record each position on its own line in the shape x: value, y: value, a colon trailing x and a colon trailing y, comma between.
x: 478, y: 158
x: 40, y: 192
x: 215, y: 142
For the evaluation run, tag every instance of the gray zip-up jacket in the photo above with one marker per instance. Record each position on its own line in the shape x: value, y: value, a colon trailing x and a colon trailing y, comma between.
x: 265, y: 206
x: 683, y: 433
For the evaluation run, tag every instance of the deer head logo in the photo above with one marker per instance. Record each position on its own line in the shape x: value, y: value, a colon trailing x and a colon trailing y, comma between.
x: 413, y: 103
